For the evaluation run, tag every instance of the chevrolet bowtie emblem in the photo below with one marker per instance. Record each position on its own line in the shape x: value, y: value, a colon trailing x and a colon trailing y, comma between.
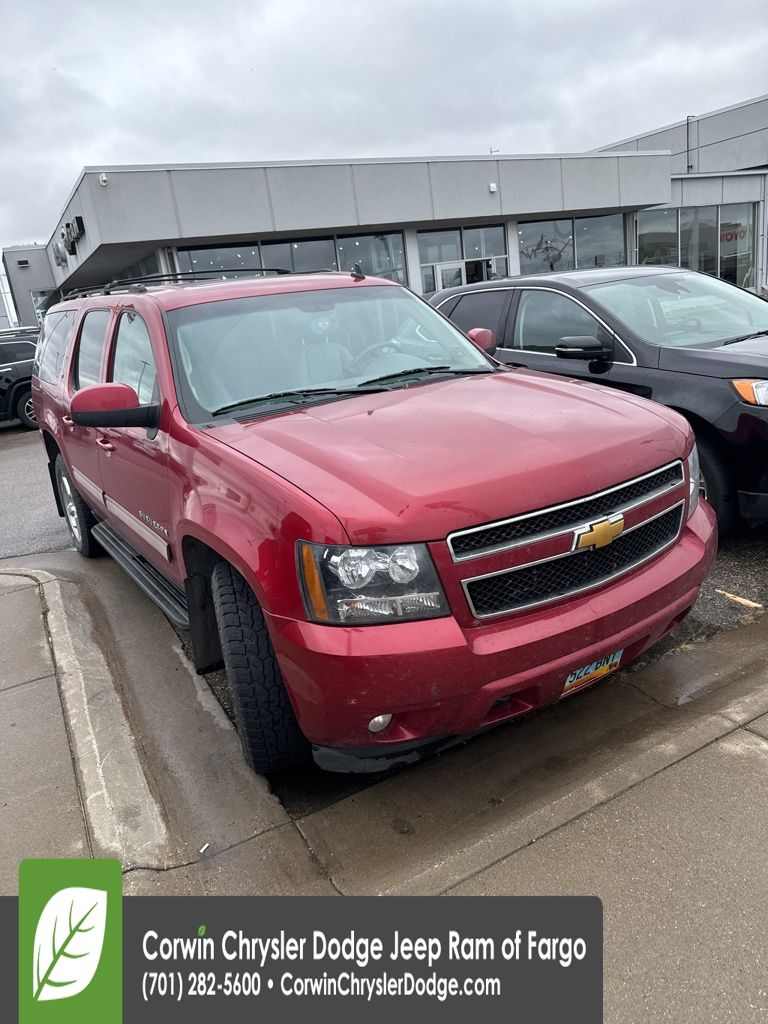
x: 599, y: 533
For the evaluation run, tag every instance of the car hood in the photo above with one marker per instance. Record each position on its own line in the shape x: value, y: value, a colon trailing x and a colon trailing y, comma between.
x: 741, y: 359
x: 416, y: 463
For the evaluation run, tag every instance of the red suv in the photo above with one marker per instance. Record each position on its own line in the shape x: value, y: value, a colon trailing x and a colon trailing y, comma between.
x: 389, y: 539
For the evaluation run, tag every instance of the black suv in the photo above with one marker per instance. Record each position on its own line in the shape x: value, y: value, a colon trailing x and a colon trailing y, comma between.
x: 17, y: 353
x: 681, y: 338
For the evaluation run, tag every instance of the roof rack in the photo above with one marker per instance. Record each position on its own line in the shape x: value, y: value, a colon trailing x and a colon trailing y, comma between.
x: 7, y: 331
x: 138, y: 284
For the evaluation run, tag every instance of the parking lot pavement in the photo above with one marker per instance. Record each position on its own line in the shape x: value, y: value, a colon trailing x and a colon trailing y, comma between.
x: 28, y: 518
x: 646, y: 789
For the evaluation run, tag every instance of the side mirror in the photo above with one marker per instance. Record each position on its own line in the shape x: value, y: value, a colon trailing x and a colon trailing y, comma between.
x: 112, y: 405
x: 585, y: 348
x: 484, y: 339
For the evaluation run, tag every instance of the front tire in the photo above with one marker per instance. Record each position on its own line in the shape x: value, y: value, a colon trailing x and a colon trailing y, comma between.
x: 78, y: 516
x: 266, y: 723
x: 718, y: 486
x: 25, y: 410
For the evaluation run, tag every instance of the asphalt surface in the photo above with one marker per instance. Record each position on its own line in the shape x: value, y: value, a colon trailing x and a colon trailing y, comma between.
x: 735, y: 594
x: 29, y: 521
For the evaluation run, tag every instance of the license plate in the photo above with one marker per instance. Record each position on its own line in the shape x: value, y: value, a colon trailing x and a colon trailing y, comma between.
x: 581, y: 676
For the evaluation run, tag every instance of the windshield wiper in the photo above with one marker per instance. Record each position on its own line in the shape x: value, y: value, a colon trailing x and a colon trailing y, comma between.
x: 421, y: 369
x: 745, y: 337
x: 294, y: 393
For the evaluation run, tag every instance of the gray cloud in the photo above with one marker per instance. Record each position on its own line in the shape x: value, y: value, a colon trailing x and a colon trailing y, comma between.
x: 92, y: 84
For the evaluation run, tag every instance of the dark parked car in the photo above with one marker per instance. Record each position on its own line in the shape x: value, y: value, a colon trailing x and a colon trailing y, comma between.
x: 17, y: 353
x: 684, y: 339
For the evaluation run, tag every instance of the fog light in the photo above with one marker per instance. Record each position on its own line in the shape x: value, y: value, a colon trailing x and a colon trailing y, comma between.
x: 379, y: 723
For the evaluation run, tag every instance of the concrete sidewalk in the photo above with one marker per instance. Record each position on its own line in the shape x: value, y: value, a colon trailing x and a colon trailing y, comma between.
x: 42, y: 812
x: 112, y: 746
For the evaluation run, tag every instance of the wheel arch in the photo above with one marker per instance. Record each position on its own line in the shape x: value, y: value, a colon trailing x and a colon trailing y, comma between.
x: 53, y: 451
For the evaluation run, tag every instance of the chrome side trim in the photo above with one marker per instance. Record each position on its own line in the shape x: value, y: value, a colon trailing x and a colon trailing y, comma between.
x: 534, y: 537
x: 570, y: 554
x: 140, y: 529
x: 88, y: 487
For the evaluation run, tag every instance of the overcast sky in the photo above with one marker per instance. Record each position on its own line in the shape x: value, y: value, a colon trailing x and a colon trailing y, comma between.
x: 104, y: 83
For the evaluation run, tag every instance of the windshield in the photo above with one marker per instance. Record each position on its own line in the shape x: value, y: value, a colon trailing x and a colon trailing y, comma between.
x: 683, y: 309
x: 237, y: 350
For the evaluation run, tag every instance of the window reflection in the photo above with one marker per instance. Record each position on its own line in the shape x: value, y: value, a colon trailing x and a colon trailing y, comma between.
x: 439, y: 246
x: 546, y: 245
x: 600, y: 241
x: 657, y: 241
x: 303, y: 255
x: 380, y: 255
x: 737, y: 244
x: 698, y: 239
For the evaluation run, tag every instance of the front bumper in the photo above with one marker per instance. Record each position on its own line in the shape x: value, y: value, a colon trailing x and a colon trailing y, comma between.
x: 441, y: 681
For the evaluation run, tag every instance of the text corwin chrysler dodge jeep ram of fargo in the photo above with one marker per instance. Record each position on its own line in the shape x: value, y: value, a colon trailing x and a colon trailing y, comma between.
x: 389, y: 539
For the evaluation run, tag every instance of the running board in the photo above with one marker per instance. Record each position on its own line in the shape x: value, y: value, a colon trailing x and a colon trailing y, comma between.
x: 168, y: 597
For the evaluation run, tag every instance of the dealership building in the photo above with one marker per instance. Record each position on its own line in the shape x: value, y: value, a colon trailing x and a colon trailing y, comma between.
x: 692, y: 194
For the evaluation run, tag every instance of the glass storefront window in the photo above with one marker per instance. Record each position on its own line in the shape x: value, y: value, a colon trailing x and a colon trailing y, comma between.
x: 698, y: 239
x: 222, y: 258
x: 600, y: 241
x: 737, y: 244
x: 440, y: 246
x: 481, y: 242
x: 142, y: 268
x: 657, y: 238
x: 301, y: 255
x: 380, y: 255
x: 546, y: 245
x: 428, y: 280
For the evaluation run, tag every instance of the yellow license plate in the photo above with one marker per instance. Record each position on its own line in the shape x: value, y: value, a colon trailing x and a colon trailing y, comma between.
x: 589, y: 673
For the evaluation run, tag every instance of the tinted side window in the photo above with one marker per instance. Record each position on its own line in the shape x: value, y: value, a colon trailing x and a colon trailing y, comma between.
x: 93, y: 335
x: 544, y: 317
x: 481, y: 309
x: 49, y: 358
x: 16, y: 351
x: 133, y: 363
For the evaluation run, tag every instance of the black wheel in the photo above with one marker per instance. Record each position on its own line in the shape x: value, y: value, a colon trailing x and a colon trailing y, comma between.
x: 717, y: 486
x: 269, y: 733
x: 25, y: 410
x: 78, y: 516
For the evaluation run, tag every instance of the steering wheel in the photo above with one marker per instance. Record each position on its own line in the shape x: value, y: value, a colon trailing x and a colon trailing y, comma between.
x: 365, y: 356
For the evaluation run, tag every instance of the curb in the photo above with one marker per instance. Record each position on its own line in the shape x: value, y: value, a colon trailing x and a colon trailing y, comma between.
x: 123, y: 818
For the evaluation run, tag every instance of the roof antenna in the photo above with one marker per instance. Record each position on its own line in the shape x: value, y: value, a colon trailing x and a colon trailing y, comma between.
x: 357, y: 272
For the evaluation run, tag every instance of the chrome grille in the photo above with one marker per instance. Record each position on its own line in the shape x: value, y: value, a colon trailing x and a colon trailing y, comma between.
x: 483, y: 540
x: 555, y: 578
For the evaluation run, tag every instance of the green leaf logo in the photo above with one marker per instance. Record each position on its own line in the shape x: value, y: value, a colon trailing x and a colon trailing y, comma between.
x: 68, y: 941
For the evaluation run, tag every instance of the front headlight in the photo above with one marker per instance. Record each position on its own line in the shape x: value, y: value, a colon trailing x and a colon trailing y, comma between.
x: 364, y: 586
x: 753, y: 391
x: 694, y: 480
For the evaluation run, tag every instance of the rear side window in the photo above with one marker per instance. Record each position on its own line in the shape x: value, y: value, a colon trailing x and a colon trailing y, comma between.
x: 133, y: 363
x: 93, y: 335
x: 481, y: 309
x: 16, y: 351
x: 52, y: 347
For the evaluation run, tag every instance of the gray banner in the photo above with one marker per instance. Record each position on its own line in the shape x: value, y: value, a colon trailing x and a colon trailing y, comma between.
x: 510, y: 959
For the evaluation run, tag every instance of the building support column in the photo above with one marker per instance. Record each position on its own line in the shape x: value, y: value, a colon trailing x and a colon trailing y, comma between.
x: 513, y: 248
x: 412, y: 260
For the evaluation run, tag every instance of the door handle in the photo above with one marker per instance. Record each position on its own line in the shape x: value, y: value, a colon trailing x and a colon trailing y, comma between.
x: 105, y: 445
